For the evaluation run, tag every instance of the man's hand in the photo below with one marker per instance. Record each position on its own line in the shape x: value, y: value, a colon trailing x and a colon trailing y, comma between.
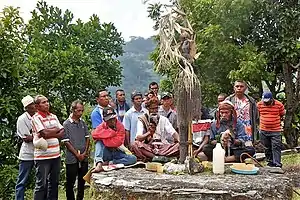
x: 85, y: 154
x: 225, y: 139
x: 214, y: 142
x: 80, y: 157
x: 152, y: 130
x: 28, y: 138
x: 196, y: 152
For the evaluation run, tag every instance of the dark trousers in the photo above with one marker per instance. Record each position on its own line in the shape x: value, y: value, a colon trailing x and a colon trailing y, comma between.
x: 72, y: 172
x: 272, y: 143
x: 47, y: 179
x: 25, y: 168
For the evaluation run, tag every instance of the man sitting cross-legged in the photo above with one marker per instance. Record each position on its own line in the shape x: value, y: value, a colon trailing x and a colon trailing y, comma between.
x: 232, y: 133
x: 110, y: 135
x: 155, y: 135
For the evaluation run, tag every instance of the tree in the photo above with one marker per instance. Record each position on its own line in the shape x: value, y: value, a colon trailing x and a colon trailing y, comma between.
x: 276, y: 31
x: 257, y: 41
x: 69, y: 61
x: 12, y: 45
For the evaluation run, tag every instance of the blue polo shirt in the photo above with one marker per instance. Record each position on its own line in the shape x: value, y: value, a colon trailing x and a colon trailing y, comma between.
x: 96, y: 116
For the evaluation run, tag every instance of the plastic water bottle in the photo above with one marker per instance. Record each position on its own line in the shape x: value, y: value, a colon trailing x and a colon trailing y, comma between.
x: 218, y: 159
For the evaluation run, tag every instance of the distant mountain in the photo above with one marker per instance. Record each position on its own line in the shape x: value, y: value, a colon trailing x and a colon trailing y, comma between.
x: 137, y: 68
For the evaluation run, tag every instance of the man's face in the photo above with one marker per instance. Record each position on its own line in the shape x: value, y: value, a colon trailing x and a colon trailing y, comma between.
x: 267, y: 103
x: 153, y: 108
x: 78, y: 111
x: 111, y: 123
x: 154, y: 88
x: 225, y: 115
x: 120, y: 96
x: 239, y: 88
x: 221, y: 98
x: 31, y: 108
x: 103, y: 99
x: 43, y: 106
x: 167, y: 101
x: 137, y: 101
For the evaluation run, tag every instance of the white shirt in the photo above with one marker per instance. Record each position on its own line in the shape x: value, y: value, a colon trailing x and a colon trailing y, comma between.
x: 131, y: 119
x: 24, y: 127
x: 164, y: 130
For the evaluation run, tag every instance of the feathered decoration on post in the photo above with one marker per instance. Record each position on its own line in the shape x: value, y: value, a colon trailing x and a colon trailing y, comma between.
x: 177, y: 50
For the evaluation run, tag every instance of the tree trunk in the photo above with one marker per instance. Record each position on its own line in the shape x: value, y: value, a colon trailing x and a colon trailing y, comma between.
x: 291, y: 105
x: 183, y: 133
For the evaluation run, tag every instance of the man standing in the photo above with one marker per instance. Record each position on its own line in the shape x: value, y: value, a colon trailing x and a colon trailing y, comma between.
x: 153, y: 86
x: 110, y: 135
x: 271, y: 112
x: 47, y: 162
x: 24, y: 131
x: 131, y: 117
x: 76, y: 139
x: 102, y: 98
x: 166, y: 111
x: 246, y: 109
x: 121, y: 106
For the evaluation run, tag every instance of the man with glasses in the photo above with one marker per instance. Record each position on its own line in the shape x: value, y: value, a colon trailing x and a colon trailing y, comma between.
x: 153, y: 86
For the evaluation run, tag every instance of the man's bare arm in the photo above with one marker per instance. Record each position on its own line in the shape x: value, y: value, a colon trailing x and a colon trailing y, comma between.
x: 52, y: 133
x: 127, y: 138
x: 176, y: 137
x: 142, y: 137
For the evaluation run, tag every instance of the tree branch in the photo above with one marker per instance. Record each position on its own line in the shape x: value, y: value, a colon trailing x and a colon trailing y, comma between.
x: 295, y: 66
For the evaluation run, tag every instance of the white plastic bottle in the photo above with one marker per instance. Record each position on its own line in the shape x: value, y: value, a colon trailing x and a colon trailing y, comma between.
x: 218, y: 159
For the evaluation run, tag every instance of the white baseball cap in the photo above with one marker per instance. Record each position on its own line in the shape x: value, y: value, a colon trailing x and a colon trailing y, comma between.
x: 27, y: 101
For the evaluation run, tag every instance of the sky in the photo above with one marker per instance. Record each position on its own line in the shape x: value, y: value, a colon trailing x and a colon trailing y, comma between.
x: 129, y: 16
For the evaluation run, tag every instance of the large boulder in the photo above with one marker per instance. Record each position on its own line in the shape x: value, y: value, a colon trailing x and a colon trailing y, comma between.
x: 143, y: 185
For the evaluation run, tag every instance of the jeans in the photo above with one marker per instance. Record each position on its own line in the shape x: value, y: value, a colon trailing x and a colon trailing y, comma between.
x: 72, y: 171
x: 272, y: 143
x: 47, y: 179
x: 104, y: 154
x: 25, y: 168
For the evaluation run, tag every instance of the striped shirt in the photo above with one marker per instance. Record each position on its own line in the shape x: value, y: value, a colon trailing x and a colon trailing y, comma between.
x: 270, y: 116
x: 40, y: 122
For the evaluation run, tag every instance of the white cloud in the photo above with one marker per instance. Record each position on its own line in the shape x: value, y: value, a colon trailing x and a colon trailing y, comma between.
x: 129, y: 16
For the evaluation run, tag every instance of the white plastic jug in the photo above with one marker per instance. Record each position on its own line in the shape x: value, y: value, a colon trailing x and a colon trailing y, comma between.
x: 218, y: 159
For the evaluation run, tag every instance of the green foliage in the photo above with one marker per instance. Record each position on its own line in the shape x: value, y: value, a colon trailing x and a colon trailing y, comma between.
x: 11, y: 68
x: 70, y: 61
x: 54, y: 56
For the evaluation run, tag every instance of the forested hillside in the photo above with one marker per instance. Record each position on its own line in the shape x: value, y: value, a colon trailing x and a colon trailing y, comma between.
x: 137, y: 68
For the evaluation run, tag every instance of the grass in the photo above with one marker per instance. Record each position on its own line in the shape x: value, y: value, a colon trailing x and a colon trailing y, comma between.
x: 61, y: 194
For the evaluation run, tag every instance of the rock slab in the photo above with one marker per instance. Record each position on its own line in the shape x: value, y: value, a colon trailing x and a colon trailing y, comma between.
x: 139, y: 184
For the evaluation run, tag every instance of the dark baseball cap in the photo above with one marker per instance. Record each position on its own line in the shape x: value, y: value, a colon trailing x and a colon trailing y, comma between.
x: 134, y: 94
x: 109, y: 113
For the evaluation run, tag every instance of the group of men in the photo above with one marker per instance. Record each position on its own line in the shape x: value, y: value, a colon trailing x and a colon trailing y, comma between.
x: 143, y: 132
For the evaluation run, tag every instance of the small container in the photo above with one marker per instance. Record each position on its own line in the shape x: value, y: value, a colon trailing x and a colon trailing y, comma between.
x: 218, y: 159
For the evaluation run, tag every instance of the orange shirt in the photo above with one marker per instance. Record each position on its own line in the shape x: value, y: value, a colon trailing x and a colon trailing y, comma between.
x: 270, y: 116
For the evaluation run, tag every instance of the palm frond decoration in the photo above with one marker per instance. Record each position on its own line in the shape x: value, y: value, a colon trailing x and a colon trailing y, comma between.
x: 177, y: 49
